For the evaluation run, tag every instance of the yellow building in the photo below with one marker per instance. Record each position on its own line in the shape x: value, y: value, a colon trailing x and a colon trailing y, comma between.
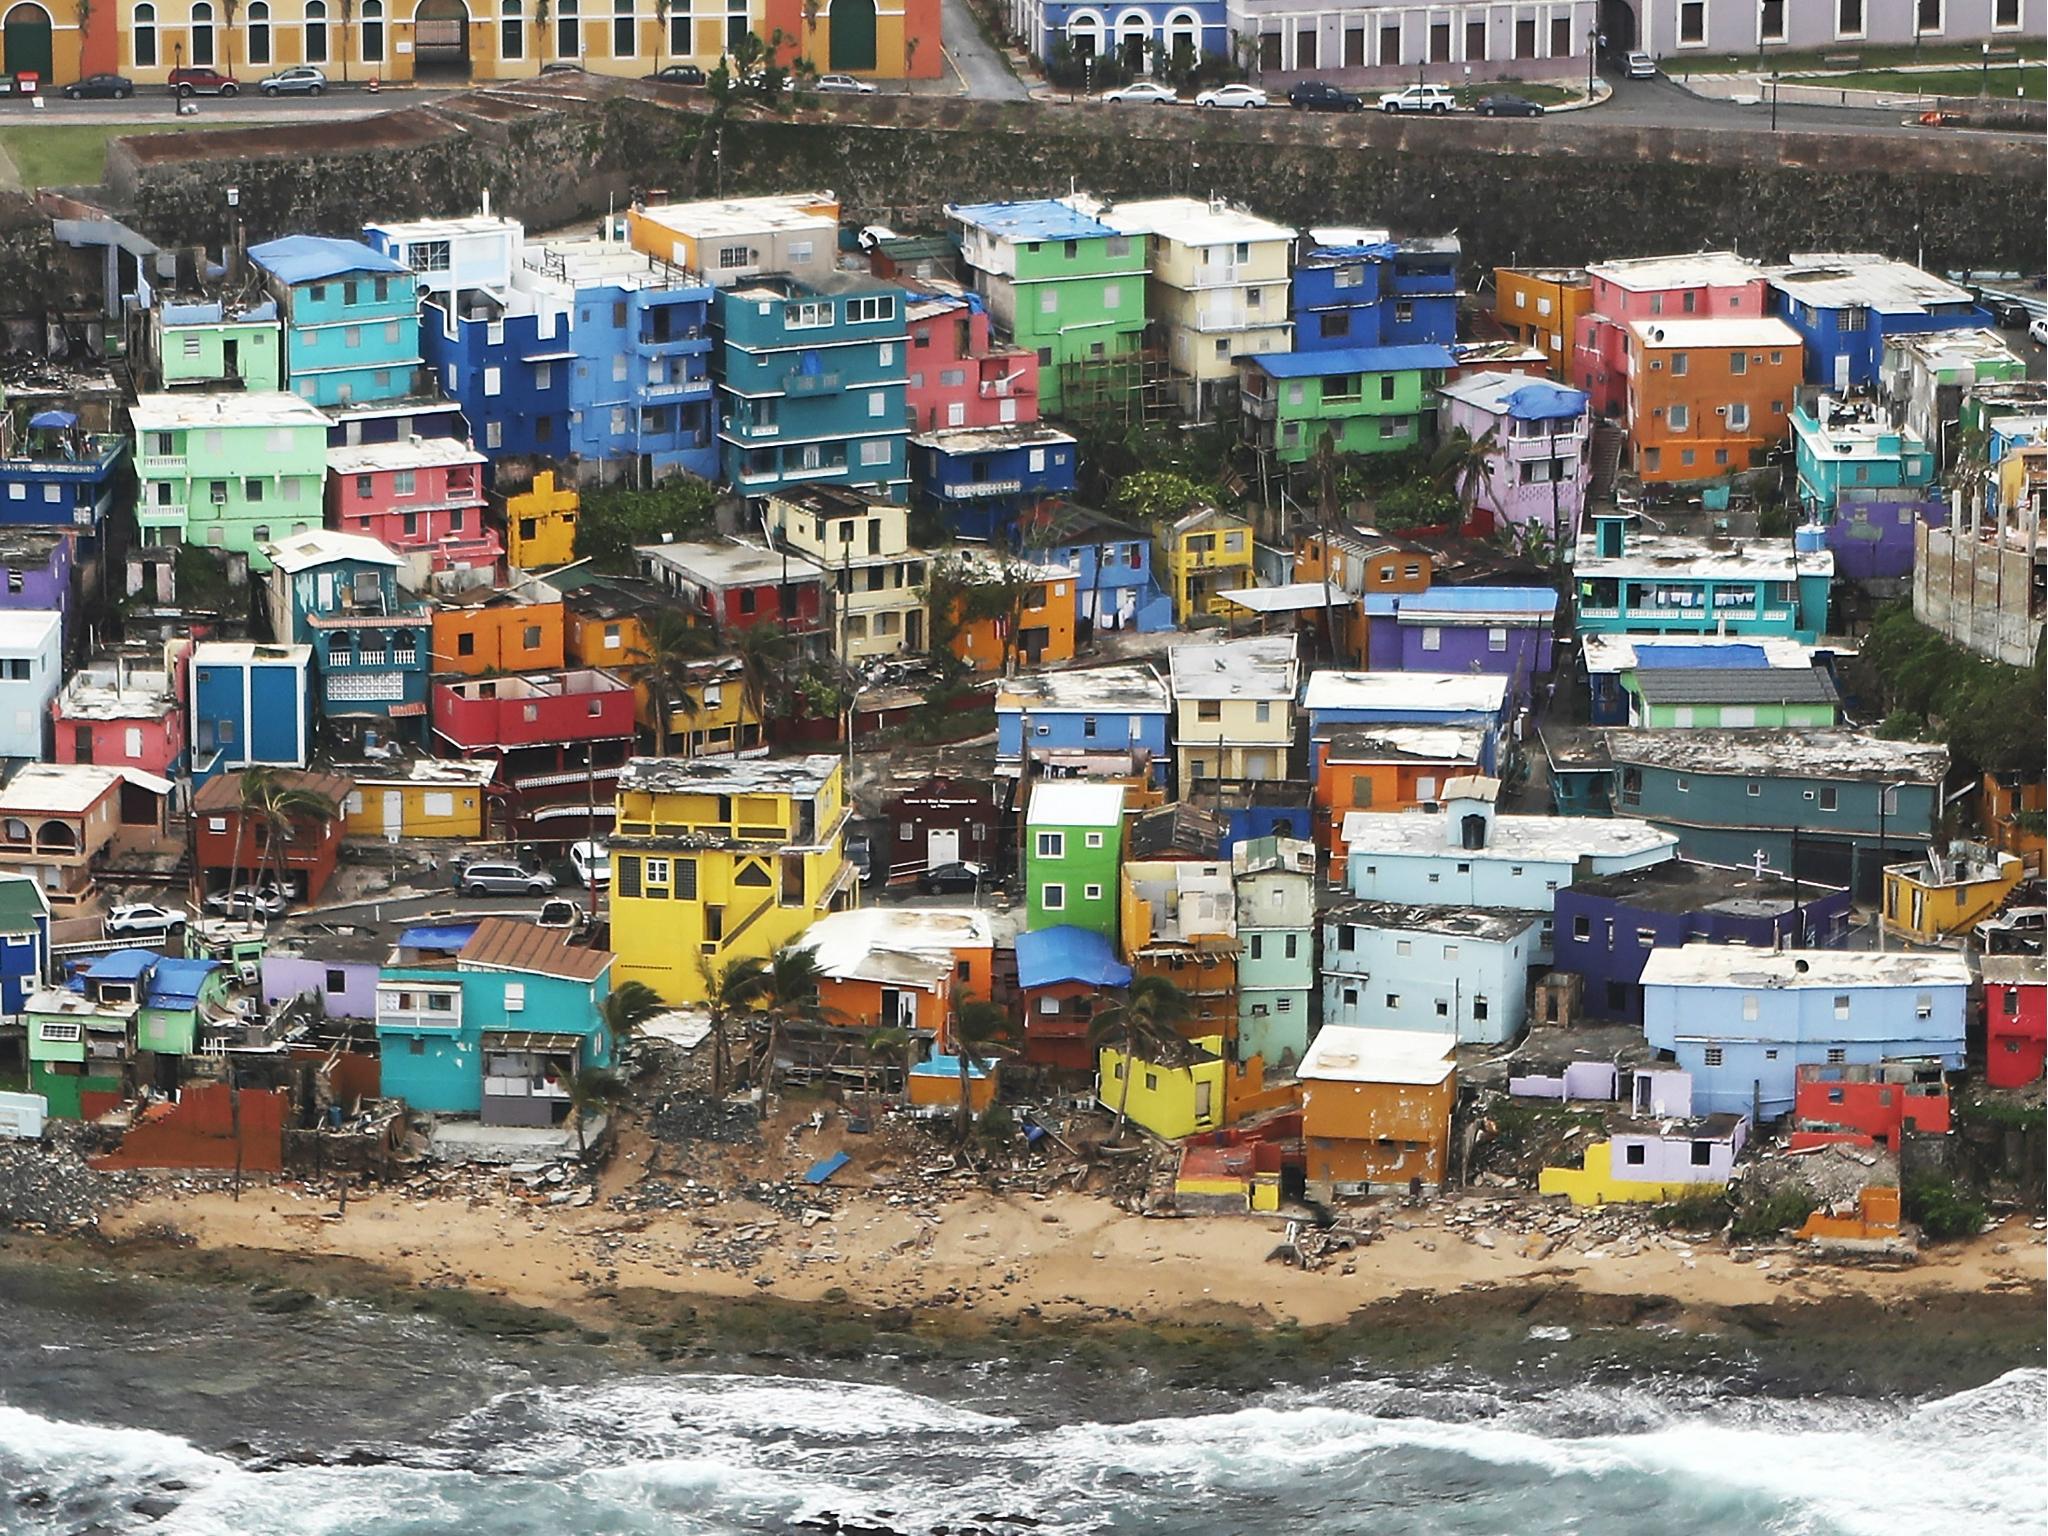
x: 1233, y: 707
x: 1170, y: 1102
x: 1598, y: 1184
x: 1948, y: 893
x: 432, y: 797
x: 731, y: 238
x: 872, y: 570
x: 717, y: 859
x: 540, y: 525
x: 1206, y: 553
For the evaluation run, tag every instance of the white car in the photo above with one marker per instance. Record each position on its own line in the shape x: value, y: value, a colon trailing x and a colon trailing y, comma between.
x: 1641, y: 67
x: 2038, y: 329
x: 1232, y: 96
x: 592, y: 862
x: 142, y: 917
x: 846, y: 85
x: 1144, y: 91
x: 1419, y: 98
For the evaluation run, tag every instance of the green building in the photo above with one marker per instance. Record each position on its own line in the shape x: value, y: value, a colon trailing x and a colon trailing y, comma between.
x: 1063, y: 285
x: 228, y: 472
x: 1715, y: 698
x: 1073, y: 847
x: 1370, y: 399
x: 214, y: 344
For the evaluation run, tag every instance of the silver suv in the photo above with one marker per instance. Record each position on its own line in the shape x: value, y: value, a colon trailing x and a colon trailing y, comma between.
x: 495, y: 878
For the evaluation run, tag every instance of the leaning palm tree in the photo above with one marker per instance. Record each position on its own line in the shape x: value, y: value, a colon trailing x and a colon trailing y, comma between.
x: 876, y: 1044
x: 252, y: 785
x: 732, y: 989
x: 592, y: 1091
x: 765, y: 652
x: 669, y: 645
x: 980, y: 1030
x: 282, y: 807
x: 1461, y: 463
x: 788, y: 991
x: 1146, y: 1019
x: 625, y: 1008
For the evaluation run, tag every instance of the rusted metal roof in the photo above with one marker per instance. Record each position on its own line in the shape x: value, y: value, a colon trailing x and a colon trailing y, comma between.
x: 506, y: 944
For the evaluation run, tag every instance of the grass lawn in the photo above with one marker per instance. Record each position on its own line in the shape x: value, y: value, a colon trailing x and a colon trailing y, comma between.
x: 1529, y: 90
x: 2007, y: 83
x: 1865, y: 58
x: 70, y: 154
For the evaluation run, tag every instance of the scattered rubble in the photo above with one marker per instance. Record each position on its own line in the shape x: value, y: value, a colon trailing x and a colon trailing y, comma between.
x: 49, y: 1186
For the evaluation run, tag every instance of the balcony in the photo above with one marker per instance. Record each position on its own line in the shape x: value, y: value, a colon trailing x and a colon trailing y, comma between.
x: 161, y: 466
x: 1258, y: 407
x: 585, y: 705
x: 801, y: 384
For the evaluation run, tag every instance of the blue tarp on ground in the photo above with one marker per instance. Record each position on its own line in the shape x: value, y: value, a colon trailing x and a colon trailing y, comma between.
x: 825, y: 1167
x: 309, y: 258
x: 1540, y: 400
x: 1700, y: 657
x: 1048, y: 956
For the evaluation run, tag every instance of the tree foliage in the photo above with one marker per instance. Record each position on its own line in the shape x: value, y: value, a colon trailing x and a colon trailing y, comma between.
x: 613, y: 519
x: 1158, y: 496
x: 1990, y: 715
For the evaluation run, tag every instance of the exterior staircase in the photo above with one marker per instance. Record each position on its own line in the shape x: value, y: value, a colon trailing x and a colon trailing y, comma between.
x: 1608, y: 441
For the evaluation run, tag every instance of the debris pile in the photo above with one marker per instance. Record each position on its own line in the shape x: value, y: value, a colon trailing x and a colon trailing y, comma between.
x: 50, y: 1187
x: 685, y: 1117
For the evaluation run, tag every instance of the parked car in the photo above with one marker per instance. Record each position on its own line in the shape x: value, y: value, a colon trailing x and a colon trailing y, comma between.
x: 1507, y: 106
x: 2038, y: 330
x: 1419, y: 98
x: 120, y: 87
x: 202, y: 82
x: 846, y: 85
x: 1232, y: 96
x: 1641, y: 66
x: 136, y: 918
x: 502, y: 877
x: 679, y: 74
x: 592, y: 861
x: 559, y: 912
x: 1142, y: 91
x: 264, y: 900
x: 300, y: 80
x: 961, y: 876
x: 1321, y: 96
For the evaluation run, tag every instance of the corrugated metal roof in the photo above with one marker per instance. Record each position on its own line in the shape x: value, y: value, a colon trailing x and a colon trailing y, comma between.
x: 504, y: 944
x: 1743, y: 685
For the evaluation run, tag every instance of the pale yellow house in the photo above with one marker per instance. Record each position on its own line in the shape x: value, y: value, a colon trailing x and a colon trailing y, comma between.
x: 871, y: 568
x: 1233, y: 707
x: 431, y: 797
x: 730, y: 239
x: 1218, y: 287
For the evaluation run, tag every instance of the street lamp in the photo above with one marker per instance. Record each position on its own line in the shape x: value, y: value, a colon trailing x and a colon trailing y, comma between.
x: 1592, y: 53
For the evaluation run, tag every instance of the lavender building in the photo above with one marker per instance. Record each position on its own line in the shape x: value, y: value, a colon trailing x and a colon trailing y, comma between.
x: 338, y: 971
x: 1536, y: 438
x: 1468, y: 631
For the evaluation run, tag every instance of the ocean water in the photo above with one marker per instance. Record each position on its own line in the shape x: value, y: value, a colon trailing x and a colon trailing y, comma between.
x: 129, y: 1409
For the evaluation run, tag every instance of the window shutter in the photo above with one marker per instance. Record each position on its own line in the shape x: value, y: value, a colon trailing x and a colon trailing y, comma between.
x: 686, y: 879
x: 629, y: 874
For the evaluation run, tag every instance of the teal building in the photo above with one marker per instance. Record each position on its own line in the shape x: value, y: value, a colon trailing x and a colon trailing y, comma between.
x: 1629, y: 582
x: 351, y: 320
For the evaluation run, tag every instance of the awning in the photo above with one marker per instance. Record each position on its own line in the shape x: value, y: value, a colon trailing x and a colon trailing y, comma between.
x: 53, y: 421
x: 531, y: 1040
x: 548, y: 357
x: 1295, y: 597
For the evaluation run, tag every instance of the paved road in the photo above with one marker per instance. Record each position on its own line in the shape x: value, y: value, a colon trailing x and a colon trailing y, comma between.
x: 984, y: 71
x: 1659, y: 102
x: 157, y: 105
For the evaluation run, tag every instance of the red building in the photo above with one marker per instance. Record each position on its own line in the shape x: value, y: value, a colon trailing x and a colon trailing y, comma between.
x: 959, y: 375
x: 422, y: 494
x: 1869, y: 1105
x: 125, y: 711
x: 2015, y: 1026
x: 559, y: 739
x: 943, y: 820
x: 732, y: 585
x: 1064, y: 975
x: 311, y: 849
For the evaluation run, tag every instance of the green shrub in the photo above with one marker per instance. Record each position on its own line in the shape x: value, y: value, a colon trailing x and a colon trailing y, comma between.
x: 1941, y: 1210
x: 1773, y: 1213
x: 1705, y: 1209
x: 612, y: 519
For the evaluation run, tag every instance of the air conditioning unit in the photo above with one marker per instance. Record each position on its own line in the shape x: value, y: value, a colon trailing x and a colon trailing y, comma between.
x: 220, y: 498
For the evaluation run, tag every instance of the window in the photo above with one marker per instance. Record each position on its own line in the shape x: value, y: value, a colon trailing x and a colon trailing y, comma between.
x: 1403, y: 947
x: 515, y: 997
x: 1496, y: 639
x: 1749, y: 1008
x: 1738, y: 416
x: 876, y: 452
x: 2005, y: 14
x: 202, y: 34
x: 1712, y: 1056
x: 372, y: 30
x: 1829, y: 797
x: 1582, y: 927
x: 1393, y: 1000
x: 1927, y: 17
x: 1679, y: 417
x: 142, y: 29
x: 568, y: 30
x: 624, y: 44
x: 1093, y: 839
x: 1753, y: 789
x: 1053, y: 897
x: 259, y: 32
x: 1432, y: 639
x: 511, y: 29
x: 1052, y: 845
x: 1849, y: 18
x: 1633, y: 1154
x: 869, y: 310
x: 1838, y: 1055
x: 1092, y: 892
x: 1692, y: 21
x: 1923, y: 1006
x: 1347, y: 937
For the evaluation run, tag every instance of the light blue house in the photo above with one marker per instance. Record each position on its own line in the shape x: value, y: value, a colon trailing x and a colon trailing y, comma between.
x: 1448, y: 970
x: 372, y: 640
x: 1847, y: 450
x: 1113, y: 561
x: 1844, y: 305
x: 1118, y: 715
x: 351, y: 320
x: 813, y: 378
x: 251, y: 704
x: 1273, y: 879
x: 1628, y: 582
x: 491, y: 1019
x: 1407, y: 698
x: 1743, y: 1021
x: 31, y: 673
x: 1469, y: 857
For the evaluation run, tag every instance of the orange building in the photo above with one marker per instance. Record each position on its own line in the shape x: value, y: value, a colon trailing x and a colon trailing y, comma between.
x: 1359, y: 562
x: 1045, y: 622
x: 1376, y: 1107
x: 1386, y: 768
x: 2012, y: 814
x: 1178, y: 919
x: 517, y: 629
x: 902, y: 967
x: 1707, y: 398
x: 1541, y: 306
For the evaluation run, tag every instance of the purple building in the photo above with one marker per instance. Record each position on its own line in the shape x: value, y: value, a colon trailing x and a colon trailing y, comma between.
x: 38, y: 572
x: 337, y: 970
x: 1873, y: 540
x: 1490, y: 631
x: 1536, y: 438
x: 1607, y: 927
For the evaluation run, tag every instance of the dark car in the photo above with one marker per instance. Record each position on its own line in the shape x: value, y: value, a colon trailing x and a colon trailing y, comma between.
x: 1507, y: 106
x: 202, y: 82
x: 1321, y: 96
x: 120, y: 87
x: 962, y: 876
x: 679, y: 74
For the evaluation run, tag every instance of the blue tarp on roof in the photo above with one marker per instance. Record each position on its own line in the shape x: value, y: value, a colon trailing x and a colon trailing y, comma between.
x: 1302, y: 365
x: 1541, y: 400
x: 122, y: 965
x: 176, y: 982
x: 1048, y: 956
x: 448, y: 936
x: 309, y: 258
x: 1699, y: 657
x: 1379, y: 250
x: 1478, y: 600
x: 1042, y: 218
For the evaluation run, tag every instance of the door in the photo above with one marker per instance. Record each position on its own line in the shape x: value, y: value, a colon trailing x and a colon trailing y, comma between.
x: 1842, y: 372
x: 1204, y: 1103
x: 394, y: 813
x: 25, y: 41
x: 853, y: 34
x: 941, y: 846
x: 231, y: 358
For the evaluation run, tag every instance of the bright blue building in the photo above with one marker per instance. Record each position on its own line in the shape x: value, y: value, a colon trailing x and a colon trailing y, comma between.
x: 1843, y: 307
x: 1170, y: 27
x: 1357, y: 288
x: 24, y: 941
x: 1628, y: 582
x: 372, y: 640
x: 980, y: 480
x: 1092, y: 710
x: 813, y: 377
x: 1743, y: 1021
x: 491, y: 1019
x: 251, y: 704
x: 1114, y: 560
x: 58, y: 476
x: 507, y: 362
x: 351, y: 320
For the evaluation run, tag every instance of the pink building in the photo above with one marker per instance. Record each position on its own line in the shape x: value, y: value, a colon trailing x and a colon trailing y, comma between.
x: 959, y: 375
x: 1537, y: 464
x: 1705, y: 285
x: 421, y: 495
x: 125, y: 710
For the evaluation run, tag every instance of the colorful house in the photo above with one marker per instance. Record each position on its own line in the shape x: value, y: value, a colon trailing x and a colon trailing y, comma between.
x: 1742, y: 1021
x: 125, y: 714
x: 1233, y: 706
x: 732, y: 585
x: 1869, y: 1104
x: 959, y: 377
x: 906, y: 968
x: 1111, y: 561
x: 490, y: 629
x: 1205, y: 553
x: 181, y: 1001
x: 36, y: 574
x: 1387, y: 768
x: 57, y: 475
x: 1847, y: 452
x: 1706, y: 285
x: 1481, y: 631
x: 540, y: 524
x: 424, y: 497
x: 24, y: 942
x: 1947, y: 892
x: 1376, y: 1109
x: 1073, y: 848
x: 876, y: 576
x: 732, y: 240
x: 1925, y: 377
x: 1541, y: 307
x: 1063, y: 973
x: 1707, y: 398
x: 1169, y: 1099
x: 1274, y: 880
x: 1357, y: 562
x: 215, y: 343
x: 557, y: 737
x: 1178, y: 920
x: 1037, y: 630
x: 1669, y: 584
x: 942, y: 820
x: 718, y: 859
x: 1615, y: 664
x: 2015, y: 1019
x: 1115, y: 717
x: 602, y: 624
x: 1846, y: 305
x: 1536, y: 438
x: 1608, y: 926
x: 1063, y: 286
x: 1179, y: 33
x: 982, y: 481
x: 351, y: 320
x: 31, y: 672
x: 1361, y: 288
x: 2014, y: 814
x: 428, y: 797
x: 57, y: 822
x: 228, y: 472
x: 1365, y: 399
x: 250, y: 704
x: 344, y: 595
x: 1652, y: 1161
x: 1463, y: 699
x: 82, y: 1056
x: 1456, y: 971
x: 1706, y: 698
x: 226, y: 853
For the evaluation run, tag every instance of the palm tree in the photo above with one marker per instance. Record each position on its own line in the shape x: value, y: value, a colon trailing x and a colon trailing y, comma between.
x: 252, y: 785
x: 732, y: 989
x: 889, y: 1040
x: 591, y: 1091
x: 669, y: 643
x: 281, y: 806
x: 980, y: 1029
x: 625, y: 1008
x: 1147, y: 1020
x: 764, y: 651
x: 1462, y: 462
x: 788, y: 991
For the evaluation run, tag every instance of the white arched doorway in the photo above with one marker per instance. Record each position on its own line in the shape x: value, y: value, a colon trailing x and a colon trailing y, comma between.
x: 1084, y: 34
x: 440, y: 39
x: 1133, y: 33
x: 1183, y: 39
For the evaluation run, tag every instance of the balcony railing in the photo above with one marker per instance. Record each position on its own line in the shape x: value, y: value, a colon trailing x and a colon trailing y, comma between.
x: 811, y: 383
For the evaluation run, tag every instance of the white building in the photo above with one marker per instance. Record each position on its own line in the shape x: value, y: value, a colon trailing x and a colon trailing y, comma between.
x: 1456, y: 971
x: 31, y: 672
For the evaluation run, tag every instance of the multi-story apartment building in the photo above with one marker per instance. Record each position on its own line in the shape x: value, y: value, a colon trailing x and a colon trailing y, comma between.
x: 1365, y: 399
x: 214, y: 343
x: 871, y: 569
x: 228, y: 472
x: 1707, y: 398
x: 1702, y: 286
x: 1845, y: 307
x: 351, y: 320
x: 1541, y: 307
x: 1233, y: 706
x: 423, y: 497
x: 1536, y: 438
x: 1666, y: 584
x: 1361, y: 288
x: 959, y: 377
